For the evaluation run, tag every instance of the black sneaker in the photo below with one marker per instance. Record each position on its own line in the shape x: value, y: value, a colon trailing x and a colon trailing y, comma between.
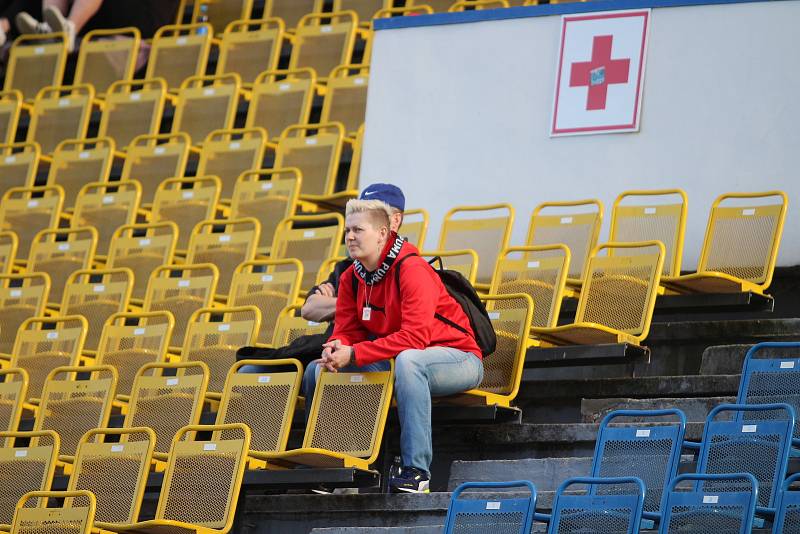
x: 410, y: 480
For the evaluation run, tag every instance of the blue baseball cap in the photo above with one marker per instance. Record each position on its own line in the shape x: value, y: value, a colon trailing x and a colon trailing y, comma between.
x: 391, y: 194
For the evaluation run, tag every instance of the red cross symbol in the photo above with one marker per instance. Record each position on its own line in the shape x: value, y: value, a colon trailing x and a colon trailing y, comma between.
x: 599, y: 73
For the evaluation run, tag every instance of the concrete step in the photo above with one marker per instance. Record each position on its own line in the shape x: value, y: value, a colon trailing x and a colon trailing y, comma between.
x: 593, y: 410
x: 723, y: 359
x: 545, y: 473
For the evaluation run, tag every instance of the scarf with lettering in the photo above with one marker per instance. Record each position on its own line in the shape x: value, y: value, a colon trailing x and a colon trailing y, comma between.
x: 373, y: 277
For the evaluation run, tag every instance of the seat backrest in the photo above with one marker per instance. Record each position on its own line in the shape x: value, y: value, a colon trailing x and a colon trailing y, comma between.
x: 290, y: 325
x: 106, y: 206
x: 228, y: 153
x: 27, y: 211
x: 130, y: 340
x: 113, y: 464
x: 151, y: 159
x: 97, y: 294
x: 438, y: 6
x: 226, y: 243
x: 22, y: 296
x: 25, y: 468
x: 484, y: 229
x: 60, y: 113
x: 346, y: 97
x: 206, y: 103
x: 771, y: 373
x: 620, y: 291
x: 8, y: 251
x: 575, y: 224
x: 317, y: 156
x: 18, y: 163
x: 264, y: 401
x: 142, y: 248
x: 641, y: 443
x: 190, y: 463
x: 13, y: 392
x: 511, y: 317
x: 276, y: 104
x: 324, y: 41
x: 61, y: 252
x: 269, y: 195
x: 166, y: 397
x: 787, y: 509
x: 408, y: 10
x: 132, y: 108
x: 186, y: 202
x: 106, y: 56
x: 77, y: 162
x: 540, y: 272
x: 310, y: 242
x: 327, y: 268
x: 34, y: 62
x: 365, y: 9
x: 74, y: 512
x: 476, y: 5
x: 215, y: 334
x: 743, y: 235
x: 479, y: 515
x: 348, y: 413
x: 44, y: 343
x: 715, y: 503
x: 270, y: 285
x: 178, y: 52
x: 464, y: 261
x: 76, y: 400
x: 291, y: 11
x: 415, y: 226
x: 181, y: 290
x: 249, y: 47
x: 747, y: 445
x: 10, y: 107
x: 652, y: 215
x: 221, y: 13
x: 606, y: 505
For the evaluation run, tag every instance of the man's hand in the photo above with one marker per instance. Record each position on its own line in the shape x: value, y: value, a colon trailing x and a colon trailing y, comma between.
x: 335, y: 355
x: 326, y: 290
x: 320, y: 305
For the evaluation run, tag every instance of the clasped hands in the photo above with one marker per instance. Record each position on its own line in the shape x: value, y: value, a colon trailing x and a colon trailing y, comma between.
x: 335, y: 355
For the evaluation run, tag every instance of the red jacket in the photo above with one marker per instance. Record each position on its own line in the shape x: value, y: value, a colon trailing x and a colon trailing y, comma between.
x: 401, y: 317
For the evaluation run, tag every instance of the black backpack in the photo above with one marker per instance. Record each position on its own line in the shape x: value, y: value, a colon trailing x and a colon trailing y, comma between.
x: 466, y: 296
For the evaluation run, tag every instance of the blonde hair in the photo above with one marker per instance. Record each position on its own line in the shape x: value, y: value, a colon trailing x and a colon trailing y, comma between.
x: 379, y: 211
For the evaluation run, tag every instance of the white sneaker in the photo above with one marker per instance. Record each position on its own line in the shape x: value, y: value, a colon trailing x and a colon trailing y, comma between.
x: 56, y: 20
x: 27, y: 24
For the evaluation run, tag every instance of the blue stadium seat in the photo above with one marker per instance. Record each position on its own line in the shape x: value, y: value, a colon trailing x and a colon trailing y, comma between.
x: 499, y: 516
x: 609, y: 506
x: 787, y: 509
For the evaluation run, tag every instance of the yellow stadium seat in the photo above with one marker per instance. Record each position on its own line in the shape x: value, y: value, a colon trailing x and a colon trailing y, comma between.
x: 316, y: 154
x: 10, y: 108
x: 59, y: 253
x: 221, y: 13
x: 346, y: 97
x: 131, y: 340
x: 365, y: 9
x: 18, y: 165
x: 35, y: 62
x: 465, y: 261
x: 225, y: 243
x: 22, y: 296
x: 167, y: 397
x: 226, y: 154
x: 74, y: 401
x: 191, y: 459
x: 438, y: 6
x: 8, y: 251
x: 106, y: 56
x: 657, y: 215
x: 250, y: 47
x: 205, y: 104
x: 324, y: 41
x: 740, y: 246
x: 575, y: 224
x: 311, y: 239
x: 74, y: 513
x: 44, y: 343
x: 60, y: 113
x: 27, y: 211
x: 97, y: 295
x: 269, y: 285
x: 181, y: 290
x: 539, y: 272
x: 214, y: 335
x: 290, y: 325
x: 151, y: 159
x: 276, y: 103
x: 186, y: 202
x: 477, y: 5
x: 264, y: 401
x: 407, y: 10
x: 132, y: 108
x: 354, y: 173
x: 77, y: 162
x: 142, y: 248
x: 484, y: 229
x: 113, y: 464
x: 13, y: 392
x: 326, y: 269
x: 415, y: 226
x: 106, y: 206
x: 178, y: 52
x: 25, y: 468
x: 617, y: 299
x: 269, y: 195
x: 291, y: 11
x: 336, y: 435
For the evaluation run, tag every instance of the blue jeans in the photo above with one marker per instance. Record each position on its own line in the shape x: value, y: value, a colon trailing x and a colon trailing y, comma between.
x: 419, y: 375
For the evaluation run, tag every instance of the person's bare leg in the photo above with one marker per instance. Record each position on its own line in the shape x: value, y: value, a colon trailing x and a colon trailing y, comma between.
x: 62, y: 5
x: 78, y: 13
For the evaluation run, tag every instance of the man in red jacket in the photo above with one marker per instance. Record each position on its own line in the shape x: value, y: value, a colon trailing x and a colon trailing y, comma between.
x: 395, y: 314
